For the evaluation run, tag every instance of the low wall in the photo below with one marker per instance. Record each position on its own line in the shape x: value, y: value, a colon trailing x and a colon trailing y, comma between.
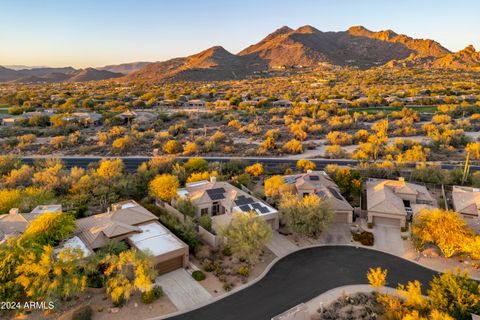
x: 299, y: 312
x: 212, y: 240
x: 171, y: 210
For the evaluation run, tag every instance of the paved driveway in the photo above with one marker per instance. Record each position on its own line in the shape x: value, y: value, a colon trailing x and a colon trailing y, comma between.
x: 388, y: 239
x: 336, y: 233
x: 280, y: 245
x: 184, y: 291
x: 303, y: 275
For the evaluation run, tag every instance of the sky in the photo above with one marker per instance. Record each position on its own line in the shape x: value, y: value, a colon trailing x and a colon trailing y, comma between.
x: 84, y: 33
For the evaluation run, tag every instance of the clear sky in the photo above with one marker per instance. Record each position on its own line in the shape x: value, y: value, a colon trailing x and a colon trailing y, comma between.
x: 82, y: 33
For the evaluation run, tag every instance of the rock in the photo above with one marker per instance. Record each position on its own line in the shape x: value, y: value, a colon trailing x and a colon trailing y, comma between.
x: 114, y: 310
x: 431, y: 252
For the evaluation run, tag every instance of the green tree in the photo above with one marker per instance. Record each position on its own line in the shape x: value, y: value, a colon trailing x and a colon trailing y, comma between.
x: 308, y: 216
x: 247, y: 235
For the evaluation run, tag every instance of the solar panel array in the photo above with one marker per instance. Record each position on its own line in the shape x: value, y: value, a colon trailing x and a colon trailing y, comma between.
x: 335, y: 193
x: 216, y: 194
x: 242, y: 200
x: 314, y: 178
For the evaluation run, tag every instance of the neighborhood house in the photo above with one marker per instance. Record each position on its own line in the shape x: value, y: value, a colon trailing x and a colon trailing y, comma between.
x: 320, y: 184
x: 393, y: 202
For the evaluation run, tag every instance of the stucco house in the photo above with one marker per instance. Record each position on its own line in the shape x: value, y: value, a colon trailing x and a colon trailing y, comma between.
x: 138, y: 227
x: 392, y: 202
x: 282, y: 104
x: 220, y: 200
x: 466, y: 201
x: 320, y: 184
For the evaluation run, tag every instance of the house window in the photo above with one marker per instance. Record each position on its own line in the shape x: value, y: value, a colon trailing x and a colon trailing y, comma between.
x: 215, y: 208
x: 204, y: 211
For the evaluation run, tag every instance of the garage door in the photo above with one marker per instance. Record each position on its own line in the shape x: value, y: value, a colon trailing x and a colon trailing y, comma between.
x: 169, y: 265
x: 383, y: 221
x: 341, y: 217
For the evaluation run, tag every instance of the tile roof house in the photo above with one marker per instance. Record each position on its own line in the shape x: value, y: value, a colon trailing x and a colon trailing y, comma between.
x: 466, y: 201
x: 220, y: 200
x: 392, y: 202
x: 319, y: 183
x: 14, y: 223
x: 140, y: 228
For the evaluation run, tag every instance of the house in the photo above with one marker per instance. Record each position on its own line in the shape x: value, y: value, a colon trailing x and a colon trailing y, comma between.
x: 14, y: 223
x: 466, y: 201
x: 166, y: 103
x: 340, y: 102
x: 282, y: 104
x: 140, y: 228
x: 320, y: 184
x: 220, y: 200
x: 195, y: 103
x: 127, y: 116
x: 88, y: 118
x: 393, y: 202
x: 11, y: 120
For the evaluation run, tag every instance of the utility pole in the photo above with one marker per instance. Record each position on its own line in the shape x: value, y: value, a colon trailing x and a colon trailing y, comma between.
x: 466, y: 169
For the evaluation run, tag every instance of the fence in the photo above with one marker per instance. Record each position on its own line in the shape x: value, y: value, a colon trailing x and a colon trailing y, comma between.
x: 171, y: 210
x: 209, y: 238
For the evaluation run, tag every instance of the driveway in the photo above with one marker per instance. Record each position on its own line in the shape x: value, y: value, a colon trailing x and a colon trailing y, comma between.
x: 280, y: 245
x: 336, y: 233
x: 305, y: 274
x: 184, y: 291
x: 388, y: 239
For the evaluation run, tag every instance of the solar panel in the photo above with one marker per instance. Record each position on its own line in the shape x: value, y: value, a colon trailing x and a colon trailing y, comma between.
x: 264, y: 209
x: 216, y: 196
x: 321, y: 194
x: 290, y: 180
x: 257, y: 205
x: 335, y: 193
x: 245, y: 208
x: 241, y: 200
x: 314, y: 178
x: 216, y: 190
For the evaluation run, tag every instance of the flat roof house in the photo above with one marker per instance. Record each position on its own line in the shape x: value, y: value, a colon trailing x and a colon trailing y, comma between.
x: 220, y: 200
x: 140, y: 228
x: 195, y: 103
x: 319, y: 183
x: 392, y: 202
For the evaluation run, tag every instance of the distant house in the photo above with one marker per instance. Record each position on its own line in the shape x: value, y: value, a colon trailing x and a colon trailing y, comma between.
x: 195, y: 103
x: 340, y: 102
x: 140, y: 229
x: 466, y: 200
x: 166, y: 104
x: 282, y: 104
x: 10, y: 121
x: 14, y: 223
x: 221, y: 199
x: 320, y: 184
x: 392, y: 202
x: 127, y: 116
x: 88, y: 118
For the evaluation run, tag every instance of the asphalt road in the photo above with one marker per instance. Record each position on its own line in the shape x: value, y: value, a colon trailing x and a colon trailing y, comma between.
x: 132, y: 163
x: 305, y: 274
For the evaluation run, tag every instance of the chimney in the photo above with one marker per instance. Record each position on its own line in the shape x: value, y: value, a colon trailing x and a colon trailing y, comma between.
x: 309, y: 171
x: 401, y: 179
x: 213, y: 179
x: 13, y: 211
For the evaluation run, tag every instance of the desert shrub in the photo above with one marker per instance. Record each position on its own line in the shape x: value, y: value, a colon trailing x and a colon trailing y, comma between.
x: 96, y: 280
x: 370, y: 225
x: 206, y: 223
x: 365, y: 238
x: 226, y: 251
x: 82, y: 313
x: 227, y: 286
x: 152, y: 295
x: 244, y: 271
x: 207, y: 265
x: 198, y: 275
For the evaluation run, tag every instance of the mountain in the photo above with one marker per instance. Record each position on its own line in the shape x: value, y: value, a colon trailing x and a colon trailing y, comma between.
x: 55, y: 75
x: 465, y: 59
x: 91, y: 74
x: 124, y: 68
x: 212, y: 64
x: 17, y: 67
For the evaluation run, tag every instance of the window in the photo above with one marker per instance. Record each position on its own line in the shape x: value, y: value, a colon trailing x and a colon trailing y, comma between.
x: 204, y: 211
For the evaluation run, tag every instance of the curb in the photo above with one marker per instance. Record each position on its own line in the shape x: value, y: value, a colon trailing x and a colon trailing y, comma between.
x: 267, y: 269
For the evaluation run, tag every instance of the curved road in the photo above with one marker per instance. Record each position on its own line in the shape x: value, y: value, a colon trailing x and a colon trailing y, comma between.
x: 305, y: 274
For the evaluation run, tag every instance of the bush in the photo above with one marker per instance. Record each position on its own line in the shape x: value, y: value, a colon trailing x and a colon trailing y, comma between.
x: 226, y: 251
x: 82, y: 313
x: 207, y: 265
x: 227, y: 286
x: 198, y: 275
x: 370, y: 225
x: 152, y: 295
x: 96, y: 280
x: 206, y: 223
x: 365, y: 238
x: 186, y: 232
x: 244, y: 271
